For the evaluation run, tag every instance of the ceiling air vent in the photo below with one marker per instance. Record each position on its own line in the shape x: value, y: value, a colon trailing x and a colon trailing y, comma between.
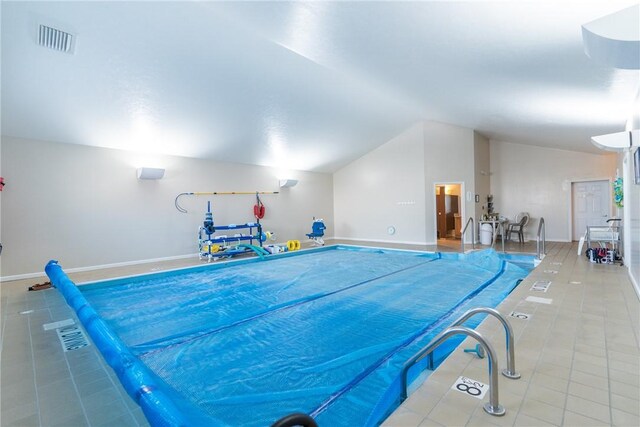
x: 54, y: 39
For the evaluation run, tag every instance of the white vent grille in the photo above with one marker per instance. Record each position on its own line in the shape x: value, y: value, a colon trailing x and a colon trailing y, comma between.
x: 54, y: 39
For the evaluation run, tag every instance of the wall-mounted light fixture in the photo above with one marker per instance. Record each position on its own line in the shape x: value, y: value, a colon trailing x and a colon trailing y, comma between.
x: 288, y: 182
x: 150, y: 173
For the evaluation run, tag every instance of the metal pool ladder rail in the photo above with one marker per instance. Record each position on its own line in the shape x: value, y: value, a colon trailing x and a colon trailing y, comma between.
x: 493, y: 407
x: 473, y: 234
x: 510, y: 371
x: 541, y: 234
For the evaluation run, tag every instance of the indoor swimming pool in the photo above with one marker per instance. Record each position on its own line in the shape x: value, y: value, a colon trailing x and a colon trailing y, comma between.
x: 323, y: 331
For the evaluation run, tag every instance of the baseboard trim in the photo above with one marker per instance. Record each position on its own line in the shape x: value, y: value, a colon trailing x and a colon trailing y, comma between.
x: 634, y: 282
x: 403, y: 242
x: 96, y: 267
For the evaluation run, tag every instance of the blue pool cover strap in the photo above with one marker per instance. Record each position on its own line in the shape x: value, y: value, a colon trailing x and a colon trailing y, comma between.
x: 421, y: 333
x: 143, y: 386
x: 279, y: 307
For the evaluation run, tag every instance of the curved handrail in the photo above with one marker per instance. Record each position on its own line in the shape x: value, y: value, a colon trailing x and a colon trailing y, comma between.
x: 541, y: 233
x: 510, y: 371
x: 180, y: 208
x: 473, y: 235
x: 493, y: 407
x: 216, y: 193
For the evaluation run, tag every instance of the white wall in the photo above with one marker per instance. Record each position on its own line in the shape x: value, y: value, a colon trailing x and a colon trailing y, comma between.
x: 394, y: 185
x: 631, y: 221
x: 448, y: 157
x: 84, y: 206
x: 383, y: 188
x: 538, y: 180
x: 482, y: 159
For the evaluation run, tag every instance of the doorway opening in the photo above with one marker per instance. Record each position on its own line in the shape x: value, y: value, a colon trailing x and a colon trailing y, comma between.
x: 449, y: 213
x: 590, y: 205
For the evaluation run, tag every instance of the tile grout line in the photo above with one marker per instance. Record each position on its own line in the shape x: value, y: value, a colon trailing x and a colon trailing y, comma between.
x: 549, y: 336
x: 73, y: 381
x: 105, y: 367
x: 609, y: 368
x: 33, y: 366
x: 526, y: 390
x: 529, y: 383
x: 575, y: 341
x: 606, y: 347
x: 540, y: 355
x: 3, y: 315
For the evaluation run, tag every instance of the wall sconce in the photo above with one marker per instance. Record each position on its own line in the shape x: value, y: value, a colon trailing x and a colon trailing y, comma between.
x: 150, y: 173
x: 284, y: 183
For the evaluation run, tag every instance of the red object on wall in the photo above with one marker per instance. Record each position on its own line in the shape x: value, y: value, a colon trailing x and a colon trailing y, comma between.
x: 1, y: 183
x: 258, y: 211
x: 258, y: 208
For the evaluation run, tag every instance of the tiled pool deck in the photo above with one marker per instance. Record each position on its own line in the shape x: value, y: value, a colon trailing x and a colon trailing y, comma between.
x: 578, y: 357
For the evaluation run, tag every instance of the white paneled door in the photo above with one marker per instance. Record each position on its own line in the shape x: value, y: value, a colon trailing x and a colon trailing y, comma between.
x: 591, y: 205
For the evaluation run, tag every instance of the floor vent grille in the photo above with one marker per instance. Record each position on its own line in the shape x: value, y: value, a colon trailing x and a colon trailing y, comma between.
x: 72, y: 338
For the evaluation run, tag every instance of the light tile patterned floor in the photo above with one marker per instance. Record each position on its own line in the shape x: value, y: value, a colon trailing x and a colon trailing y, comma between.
x: 578, y: 356
x: 41, y: 385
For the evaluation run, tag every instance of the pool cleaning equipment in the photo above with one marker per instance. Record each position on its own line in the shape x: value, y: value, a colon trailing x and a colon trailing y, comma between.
x: 317, y: 231
x: 213, y: 247
x: 258, y: 209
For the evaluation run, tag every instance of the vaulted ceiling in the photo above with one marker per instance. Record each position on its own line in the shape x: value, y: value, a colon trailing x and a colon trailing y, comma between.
x: 306, y: 85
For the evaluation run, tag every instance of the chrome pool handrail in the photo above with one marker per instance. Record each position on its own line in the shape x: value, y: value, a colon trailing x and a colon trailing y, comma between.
x: 493, y: 407
x: 510, y: 371
x: 473, y: 235
x: 541, y: 233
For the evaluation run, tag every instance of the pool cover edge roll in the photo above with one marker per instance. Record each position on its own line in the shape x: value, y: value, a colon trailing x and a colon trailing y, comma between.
x: 144, y: 387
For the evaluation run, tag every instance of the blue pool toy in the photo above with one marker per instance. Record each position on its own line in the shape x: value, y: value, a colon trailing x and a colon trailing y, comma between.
x: 317, y: 231
x: 478, y: 350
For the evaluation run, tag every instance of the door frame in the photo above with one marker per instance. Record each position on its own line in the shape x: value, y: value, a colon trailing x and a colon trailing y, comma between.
x: 463, y: 201
x: 570, y: 200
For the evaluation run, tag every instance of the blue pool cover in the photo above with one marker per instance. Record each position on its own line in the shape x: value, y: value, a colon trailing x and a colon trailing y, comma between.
x: 324, y: 332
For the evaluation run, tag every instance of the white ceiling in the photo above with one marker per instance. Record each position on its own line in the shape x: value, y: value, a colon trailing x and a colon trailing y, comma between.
x: 308, y: 86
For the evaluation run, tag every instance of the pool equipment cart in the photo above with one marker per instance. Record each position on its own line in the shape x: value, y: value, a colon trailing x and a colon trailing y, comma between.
x: 317, y: 231
x: 213, y: 247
